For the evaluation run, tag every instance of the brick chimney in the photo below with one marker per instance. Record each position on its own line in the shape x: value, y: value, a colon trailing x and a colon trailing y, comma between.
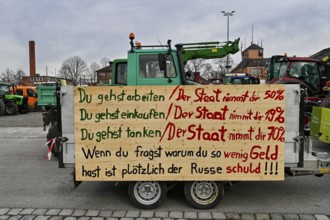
x: 32, y: 56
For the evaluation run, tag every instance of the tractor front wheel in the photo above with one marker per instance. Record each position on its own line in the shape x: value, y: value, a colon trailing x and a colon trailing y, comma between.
x: 2, y: 107
x: 11, y: 108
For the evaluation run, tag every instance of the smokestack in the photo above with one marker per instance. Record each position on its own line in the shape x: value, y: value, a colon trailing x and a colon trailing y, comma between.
x: 32, y: 55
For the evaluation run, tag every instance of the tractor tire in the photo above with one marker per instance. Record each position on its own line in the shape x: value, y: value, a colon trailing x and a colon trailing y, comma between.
x: 2, y: 107
x: 11, y: 108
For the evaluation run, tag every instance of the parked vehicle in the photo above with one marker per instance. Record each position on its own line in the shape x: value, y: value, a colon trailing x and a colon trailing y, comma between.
x: 2, y: 105
x: 241, y: 79
x: 13, y: 103
x: 216, y: 81
x: 46, y: 96
x: 320, y: 118
x: 273, y: 67
x: 310, y: 73
x: 30, y: 92
x: 154, y: 128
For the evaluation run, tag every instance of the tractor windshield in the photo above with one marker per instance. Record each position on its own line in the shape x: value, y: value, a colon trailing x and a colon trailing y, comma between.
x: 4, y: 89
x: 305, y: 71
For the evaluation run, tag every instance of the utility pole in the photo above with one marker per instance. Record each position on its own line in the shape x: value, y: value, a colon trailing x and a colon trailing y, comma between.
x: 228, y: 14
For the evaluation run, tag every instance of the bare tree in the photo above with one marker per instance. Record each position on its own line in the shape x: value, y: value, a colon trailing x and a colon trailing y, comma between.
x: 212, y: 68
x: 220, y: 65
x: 104, y: 62
x: 208, y: 71
x: 91, y: 71
x: 195, y: 65
x: 19, y: 75
x: 8, y: 75
x: 202, y: 66
x: 73, y: 68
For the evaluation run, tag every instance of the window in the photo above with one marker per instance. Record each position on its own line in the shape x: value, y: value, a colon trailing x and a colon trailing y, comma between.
x: 304, y: 71
x: 311, y: 75
x: 121, y: 73
x: 295, y: 70
x: 19, y: 92
x: 282, y: 71
x: 149, y: 67
x: 237, y: 81
x: 257, y: 71
x: 31, y: 93
x: 276, y: 67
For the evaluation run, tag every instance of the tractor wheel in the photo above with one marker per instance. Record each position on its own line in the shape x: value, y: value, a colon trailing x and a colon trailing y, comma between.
x: 11, y: 108
x: 2, y: 107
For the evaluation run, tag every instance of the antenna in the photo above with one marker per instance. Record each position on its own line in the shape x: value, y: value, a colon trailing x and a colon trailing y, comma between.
x: 160, y: 43
x: 252, y: 35
x: 244, y: 43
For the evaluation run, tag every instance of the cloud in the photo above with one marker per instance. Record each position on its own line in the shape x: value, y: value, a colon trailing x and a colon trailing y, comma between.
x: 100, y: 28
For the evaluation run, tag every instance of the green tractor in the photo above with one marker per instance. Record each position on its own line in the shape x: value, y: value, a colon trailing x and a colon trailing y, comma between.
x: 11, y: 103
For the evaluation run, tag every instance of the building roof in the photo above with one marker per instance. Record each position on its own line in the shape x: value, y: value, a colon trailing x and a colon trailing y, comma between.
x: 254, y: 47
x: 106, y: 69
x: 321, y: 54
x: 251, y: 63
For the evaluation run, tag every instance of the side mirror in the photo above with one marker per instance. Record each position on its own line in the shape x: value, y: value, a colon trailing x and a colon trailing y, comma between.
x: 163, y: 65
x: 162, y: 61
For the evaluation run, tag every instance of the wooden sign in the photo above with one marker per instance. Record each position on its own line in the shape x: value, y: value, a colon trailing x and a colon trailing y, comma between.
x: 179, y: 133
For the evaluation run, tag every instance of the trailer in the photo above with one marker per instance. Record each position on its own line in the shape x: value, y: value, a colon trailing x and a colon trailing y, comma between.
x: 153, y: 127
x: 102, y: 140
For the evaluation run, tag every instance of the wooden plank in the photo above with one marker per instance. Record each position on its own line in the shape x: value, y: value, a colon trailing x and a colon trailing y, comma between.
x: 180, y: 132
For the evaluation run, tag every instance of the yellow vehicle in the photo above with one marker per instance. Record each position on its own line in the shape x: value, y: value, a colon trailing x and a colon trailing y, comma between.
x: 30, y: 92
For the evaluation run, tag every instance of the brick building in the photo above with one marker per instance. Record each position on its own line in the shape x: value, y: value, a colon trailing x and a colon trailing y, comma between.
x: 253, y: 62
x: 104, y: 75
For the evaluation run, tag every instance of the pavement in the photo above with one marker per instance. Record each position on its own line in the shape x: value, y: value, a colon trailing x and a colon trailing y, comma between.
x: 80, y: 214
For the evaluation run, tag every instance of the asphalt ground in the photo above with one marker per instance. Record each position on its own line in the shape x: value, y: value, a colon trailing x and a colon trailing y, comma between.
x: 32, y: 119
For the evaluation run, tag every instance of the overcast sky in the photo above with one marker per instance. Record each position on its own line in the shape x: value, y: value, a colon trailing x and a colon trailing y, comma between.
x: 93, y: 29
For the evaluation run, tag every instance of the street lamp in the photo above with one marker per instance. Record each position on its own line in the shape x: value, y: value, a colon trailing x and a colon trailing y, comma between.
x: 228, y: 14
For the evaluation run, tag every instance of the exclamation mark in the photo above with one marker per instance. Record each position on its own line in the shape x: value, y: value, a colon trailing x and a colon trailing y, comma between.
x: 266, y: 169
x: 276, y: 168
x: 271, y: 168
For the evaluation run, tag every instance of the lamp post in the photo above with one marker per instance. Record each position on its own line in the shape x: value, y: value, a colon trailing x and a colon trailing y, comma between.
x: 228, y: 14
